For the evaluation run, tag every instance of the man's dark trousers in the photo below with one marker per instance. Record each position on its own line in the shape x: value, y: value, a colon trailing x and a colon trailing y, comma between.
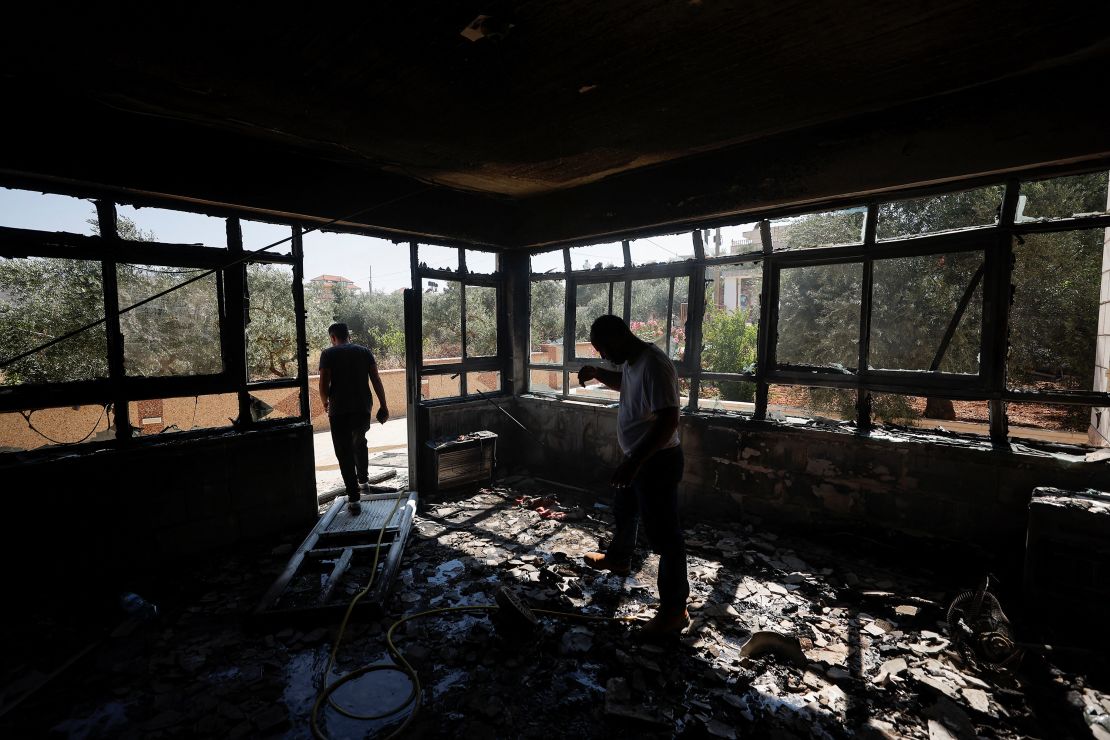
x: 348, y: 435
x: 653, y: 500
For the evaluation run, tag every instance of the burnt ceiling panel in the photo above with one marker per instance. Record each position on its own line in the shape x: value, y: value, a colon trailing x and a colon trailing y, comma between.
x: 548, y: 98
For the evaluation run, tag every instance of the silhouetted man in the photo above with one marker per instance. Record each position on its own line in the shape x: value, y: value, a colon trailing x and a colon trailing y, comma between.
x: 647, y: 480
x: 345, y: 369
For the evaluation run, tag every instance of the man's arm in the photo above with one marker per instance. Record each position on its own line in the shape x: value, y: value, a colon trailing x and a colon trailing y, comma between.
x: 383, y: 407
x: 666, y: 422
x: 325, y: 386
x: 611, y: 378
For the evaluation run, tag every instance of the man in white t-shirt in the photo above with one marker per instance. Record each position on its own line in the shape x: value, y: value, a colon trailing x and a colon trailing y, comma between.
x: 647, y: 479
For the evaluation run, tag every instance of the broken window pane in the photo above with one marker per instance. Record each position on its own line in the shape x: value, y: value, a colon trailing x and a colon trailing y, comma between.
x: 480, y: 262
x: 593, y: 300
x: 730, y: 331
x: 272, y: 332
x: 651, y: 309
x: 964, y: 417
x: 30, y: 430
x: 42, y: 299
x: 826, y: 229
x: 441, y: 321
x: 819, y: 315
x: 257, y: 234
x: 597, y: 256
x: 481, y: 321
x: 177, y: 334
x: 545, y: 381
x: 666, y: 248
x: 1056, y: 315
x: 832, y: 405
x: 1063, y: 197
x: 729, y: 240
x: 25, y: 209
x: 727, y: 395
x: 438, y: 258
x: 275, y: 403
x: 548, y: 303
x: 547, y: 262
x: 935, y: 213
x: 1059, y: 423
x: 170, y: 227
x: 439, y: 386
x: 167, y: 415
x: 485, y: 381
x: 914, y: 302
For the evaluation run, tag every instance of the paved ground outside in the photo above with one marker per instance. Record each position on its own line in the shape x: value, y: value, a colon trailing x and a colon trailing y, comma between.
x: 391, y: 437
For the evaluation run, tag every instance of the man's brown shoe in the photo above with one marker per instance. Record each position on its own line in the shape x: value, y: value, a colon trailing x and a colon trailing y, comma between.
x: 601, y: 561
x: 665, y: 624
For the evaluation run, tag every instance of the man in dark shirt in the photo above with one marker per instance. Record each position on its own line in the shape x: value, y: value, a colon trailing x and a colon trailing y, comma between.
x: 344, y: 370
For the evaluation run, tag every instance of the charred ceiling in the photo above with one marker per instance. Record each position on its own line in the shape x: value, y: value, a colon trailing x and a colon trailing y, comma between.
x: 552, y: 105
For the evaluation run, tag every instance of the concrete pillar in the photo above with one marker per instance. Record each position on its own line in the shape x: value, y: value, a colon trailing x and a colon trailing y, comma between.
x: 1099, y: 431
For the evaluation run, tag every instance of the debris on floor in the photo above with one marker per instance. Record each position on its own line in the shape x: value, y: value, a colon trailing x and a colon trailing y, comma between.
x: 789, y: 638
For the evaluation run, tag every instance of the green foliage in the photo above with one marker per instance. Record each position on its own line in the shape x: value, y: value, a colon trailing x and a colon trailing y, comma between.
x: 41, y: 299
x: 441, y: 314
x: 272, y: 331
x: 730, y: 346
x: 481, y: 321
x: 835, y: 401
x: 376, y: 320
x: 913, y: 301
x: 819, y: 229
x: 935, y: 213
x: 547, y: 306
x: 1065, y: 196
x: 819, y: 314
x: 177, y: 334
x: 893, y: 409
x: 1054, y: 317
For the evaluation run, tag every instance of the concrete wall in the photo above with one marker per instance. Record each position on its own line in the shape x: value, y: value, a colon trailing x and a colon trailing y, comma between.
x: 115, y: 514
x: 820, y: 479
x: 1099, y: 431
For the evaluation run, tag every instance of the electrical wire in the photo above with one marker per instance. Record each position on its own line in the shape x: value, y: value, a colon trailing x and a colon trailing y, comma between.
x: 27, y: 418
x: 402, y: 666
x: 245, y: 257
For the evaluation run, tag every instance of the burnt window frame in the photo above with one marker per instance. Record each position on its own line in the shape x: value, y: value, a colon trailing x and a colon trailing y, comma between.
x: 994, y: 241
x: 499, y: 362
x: 626, y: 274
x: 120, y: 389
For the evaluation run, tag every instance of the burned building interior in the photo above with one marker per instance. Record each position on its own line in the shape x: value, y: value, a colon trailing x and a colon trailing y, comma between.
x: 873, y: 238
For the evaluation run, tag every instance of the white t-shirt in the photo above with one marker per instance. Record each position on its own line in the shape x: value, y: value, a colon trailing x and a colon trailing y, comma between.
x: 648, y: 384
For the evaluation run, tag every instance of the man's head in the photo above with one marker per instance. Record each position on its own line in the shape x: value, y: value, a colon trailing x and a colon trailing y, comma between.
x: 613, y: 340
x: 339, y: 333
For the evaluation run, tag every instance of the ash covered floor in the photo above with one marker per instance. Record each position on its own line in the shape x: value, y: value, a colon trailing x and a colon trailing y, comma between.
x: 874, y: 662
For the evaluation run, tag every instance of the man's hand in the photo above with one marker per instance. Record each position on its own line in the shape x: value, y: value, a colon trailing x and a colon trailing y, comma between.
x: 383, y: 415
x: 327, y: 406
x: 586, y: 374
x: 625, y: 473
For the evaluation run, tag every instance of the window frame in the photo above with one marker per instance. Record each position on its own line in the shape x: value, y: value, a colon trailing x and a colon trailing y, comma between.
x: 995, y: 242
x: 120, y: 389
x: 498, y: 362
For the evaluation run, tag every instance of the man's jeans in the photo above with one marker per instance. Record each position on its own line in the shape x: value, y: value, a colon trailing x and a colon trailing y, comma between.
x: 653, y: 499
x: 348, y: 436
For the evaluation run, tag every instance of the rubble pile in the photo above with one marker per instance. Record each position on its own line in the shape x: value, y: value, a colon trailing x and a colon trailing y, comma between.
x: 787, y: 639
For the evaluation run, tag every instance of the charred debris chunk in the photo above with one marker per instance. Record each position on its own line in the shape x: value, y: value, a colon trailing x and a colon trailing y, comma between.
x: 789, y: 638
